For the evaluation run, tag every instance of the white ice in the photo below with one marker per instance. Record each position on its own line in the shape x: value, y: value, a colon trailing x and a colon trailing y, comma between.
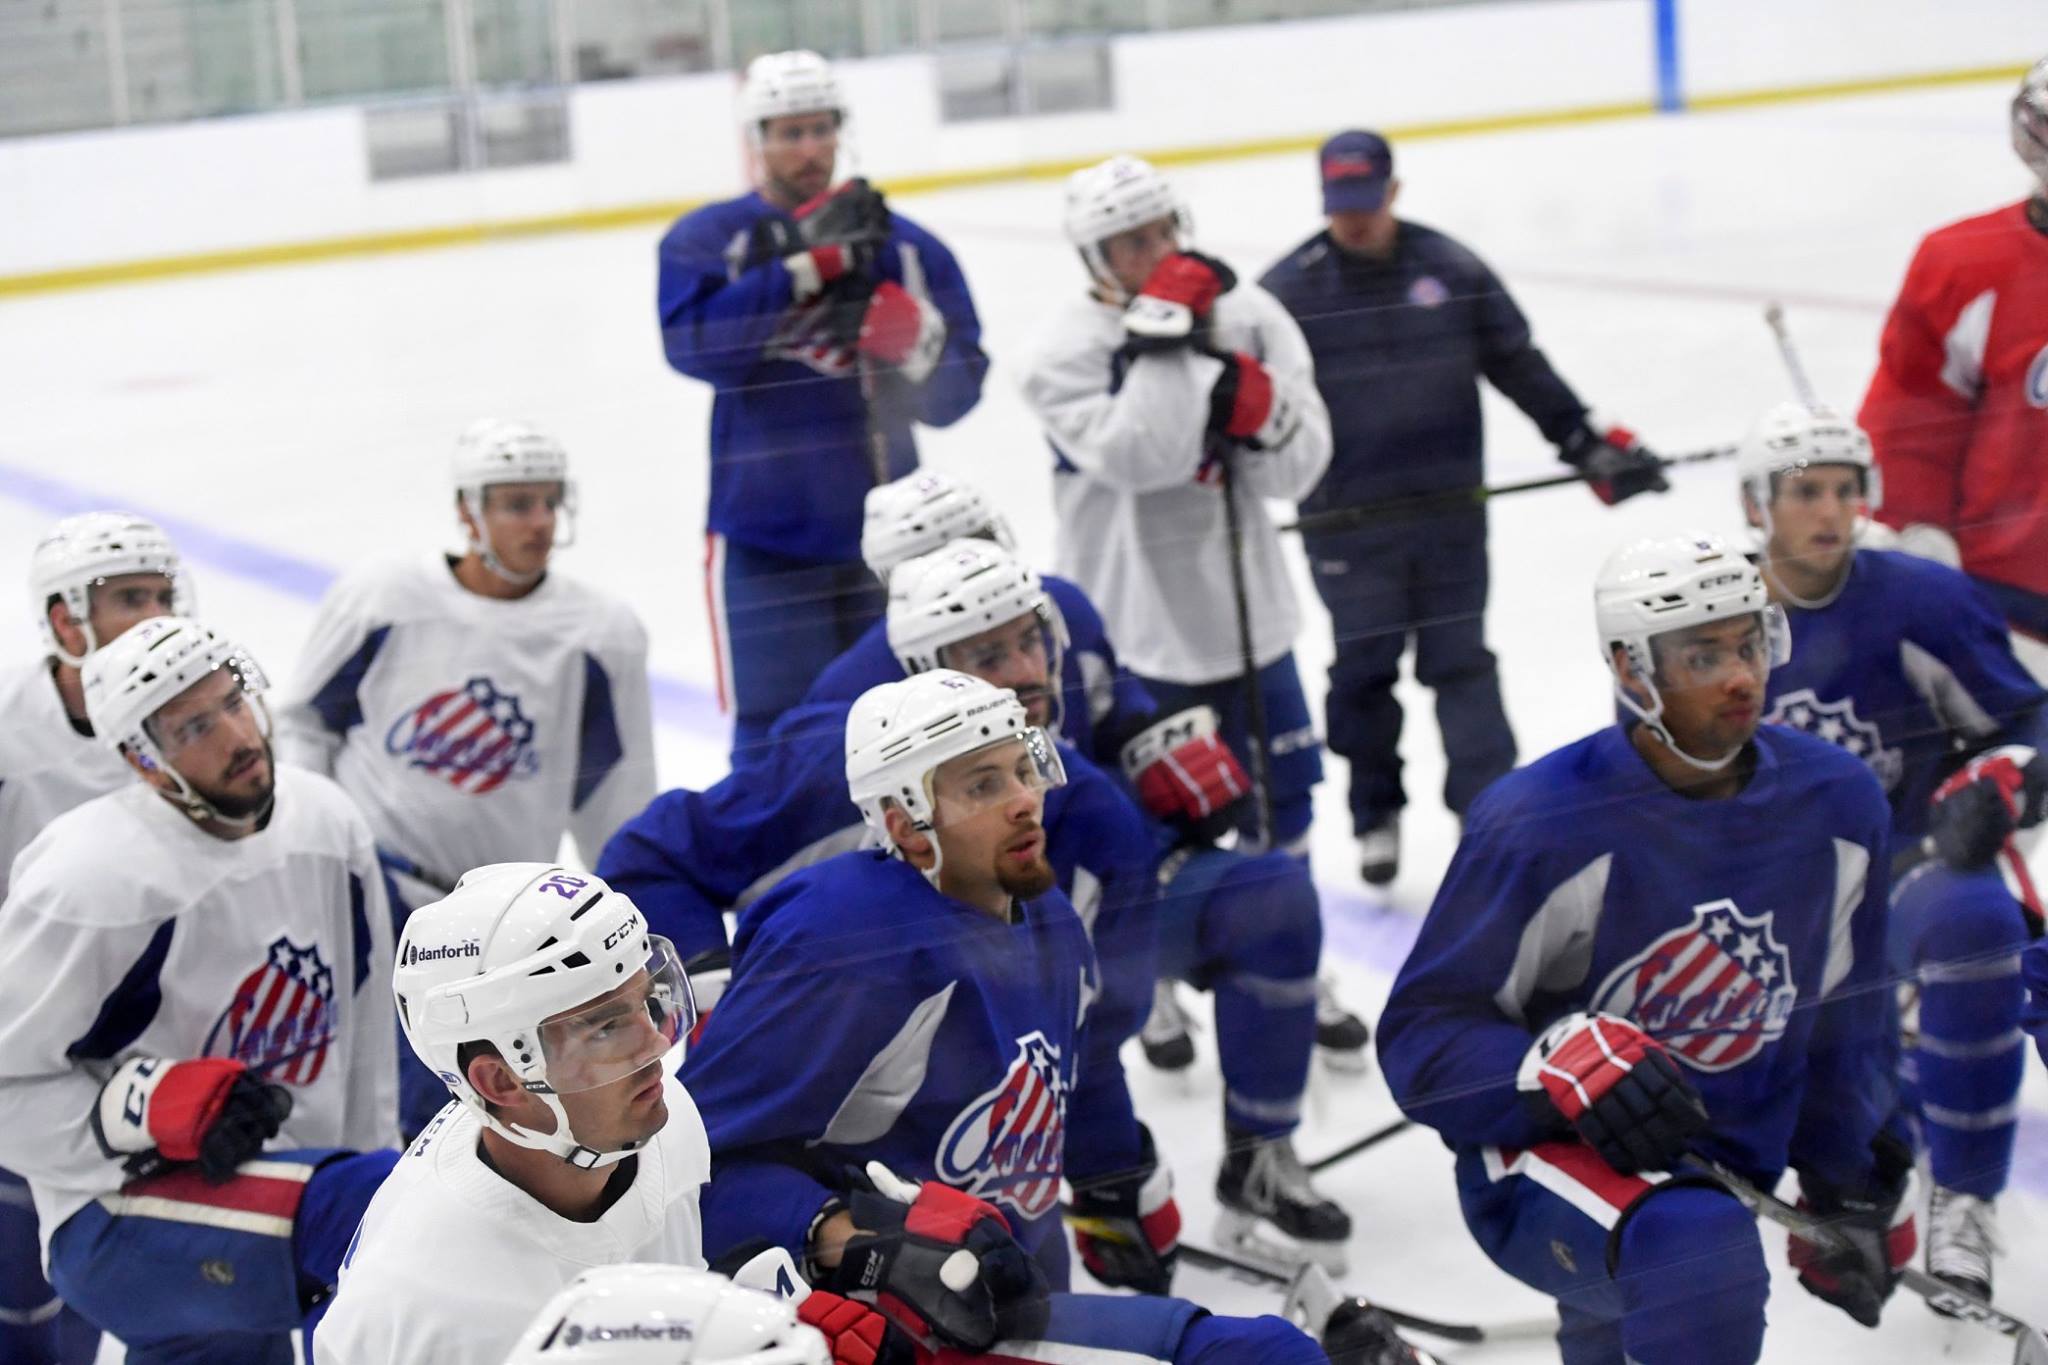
x: 309, y: 410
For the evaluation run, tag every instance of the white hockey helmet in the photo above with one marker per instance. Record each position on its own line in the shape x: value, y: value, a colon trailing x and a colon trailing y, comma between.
x: 128, y: 680
x: 530, y: 958
x: 81, y: 552
x: 1672, y: 583
x: 779, y: 84
x: 1115, y: 196
x: 2030, y: 121
x: 938, y: 600
x: 898, y: 735
x: 920, y: 512
x: 495, y: 450
x: 666, y: 1315
x: 1793, y: 437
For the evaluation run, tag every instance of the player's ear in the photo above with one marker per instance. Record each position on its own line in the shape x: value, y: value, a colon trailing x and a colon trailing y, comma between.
x: 67, y: 628
x: 491, y: 1078
x: 1751, y: 510
x: 1626, y: 672
x: 915, y: 845
x: 1393, y: 193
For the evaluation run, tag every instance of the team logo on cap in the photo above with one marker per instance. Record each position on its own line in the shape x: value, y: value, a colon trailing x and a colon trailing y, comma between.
x: 474, y: 737
x: 281, y: 1018
x: 1005, y: 1145
x: 1838, y: 724
x: 1713, y: 992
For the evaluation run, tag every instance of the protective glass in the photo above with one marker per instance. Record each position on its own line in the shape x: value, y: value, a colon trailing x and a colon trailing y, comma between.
x: 623, y: 1031
x: 1704, y: 661
x: 241, y: 707
x: 1786, y: 482
x: 982, y: 779
x: 519, y: 500
x: 1022, y: 654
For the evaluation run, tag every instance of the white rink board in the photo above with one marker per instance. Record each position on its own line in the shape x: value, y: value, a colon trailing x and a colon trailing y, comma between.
x: 309, y: 410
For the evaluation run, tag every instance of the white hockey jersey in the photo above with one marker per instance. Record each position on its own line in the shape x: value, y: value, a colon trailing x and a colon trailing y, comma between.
x: 453, y: 1260
x: 1141, y: 515
x: 46, y: 765
x: 131, y: 932
x: 472, y: 730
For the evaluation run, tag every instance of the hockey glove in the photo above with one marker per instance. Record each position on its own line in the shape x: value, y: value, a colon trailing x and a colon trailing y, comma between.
x: 857, y: 1334
x: 940, y: 1264
x: 1185, y: 774
x: 1246, y: 407
x: 1984, y: 801
x: 902, y: 331
x: 853, y: 213
x: 1875, y: 1229
x: 1175, y: 302
x: 212, y: 1111
x: 710, y: 974
x: 1617, y: 466
x: 812, y: 269
x: 1617, y: 1087
x: 1127, y: 1225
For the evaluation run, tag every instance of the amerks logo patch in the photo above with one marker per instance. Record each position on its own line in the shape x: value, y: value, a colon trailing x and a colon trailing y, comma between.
x: 1713, y: 992
x: 281, y: 1018
x: 1838, y: 724
x: 1428, y: 292
x: 474, y: 737
x: 1005, y: 1145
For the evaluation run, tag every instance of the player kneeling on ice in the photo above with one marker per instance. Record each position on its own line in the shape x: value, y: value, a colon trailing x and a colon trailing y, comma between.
x: 924, y: 1006
x: 556, y: 1019
x: 1906, y: 663
x: 196, y: 1053
x: 1667, y: 936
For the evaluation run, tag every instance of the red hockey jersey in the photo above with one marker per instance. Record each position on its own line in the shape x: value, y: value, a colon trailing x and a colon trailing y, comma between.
x: 1958, y: 409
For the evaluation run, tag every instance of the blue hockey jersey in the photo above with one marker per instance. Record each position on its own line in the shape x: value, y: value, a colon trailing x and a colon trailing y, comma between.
x: 1908, y: 663
x: 871, y: 1018
x: 1747, y: 934
x: 691, y: 856
x: 789, y: 461
x: 1102, y: 703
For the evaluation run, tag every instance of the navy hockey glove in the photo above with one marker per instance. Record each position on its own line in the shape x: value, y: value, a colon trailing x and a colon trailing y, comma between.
x: 1174, y: 305
x: 1617, y: 1087
x: 1245, y: 406
x: 212, y: 1111
x: 1127, y: 1225
x: 1876, y: 1229
x: 1185, y: 774
x: 941, y: 1264
x: 1983, y: 802
x: 1617, y: 466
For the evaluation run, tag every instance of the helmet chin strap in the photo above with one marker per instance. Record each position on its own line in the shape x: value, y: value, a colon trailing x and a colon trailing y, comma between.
x: 1778, y: 583
x: 481, y: 548
x: 1654, y: 719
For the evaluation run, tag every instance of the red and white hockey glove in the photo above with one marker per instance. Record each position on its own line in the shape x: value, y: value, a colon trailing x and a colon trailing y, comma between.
x: 941, y: 1264
x: 1877, y: 1235
x: 1175, y: 302
x: 212, y: 1111
x: 902, y: 331
x: 1617, y: 466
x: 1976, y: 810
x: 1127, y: 1225
x: 1617, y: 1087
x: 1246, y: 407
x: 1185, y: 774
x: 856, y: 1333
x: 710, y: 973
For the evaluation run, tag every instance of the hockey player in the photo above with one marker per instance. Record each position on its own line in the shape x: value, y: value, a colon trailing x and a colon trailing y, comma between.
x: 827, y: 326
x: 477, y: 707
x: 1664, y: 937
x: 1962, y: 383
x: 1167, y: 382
x: 1248, y: 925
x: 196, y: 1060
x: 91, y: 577
x: 1403, y: 323
x: 1905, y: 663
x: 923, y: 1006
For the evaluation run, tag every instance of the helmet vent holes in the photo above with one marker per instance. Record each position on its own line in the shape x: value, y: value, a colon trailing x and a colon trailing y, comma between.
x: 576, y: 960
x: 580, y: 911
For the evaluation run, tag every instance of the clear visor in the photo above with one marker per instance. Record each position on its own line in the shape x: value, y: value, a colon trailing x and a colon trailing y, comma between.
x: 1022, y: 654
x: 986, y: 778
x: 524, y: 499
x: 623, y: 1031
x: 1805, y: 480
x: 241, y: 711
x: 1707, y: 659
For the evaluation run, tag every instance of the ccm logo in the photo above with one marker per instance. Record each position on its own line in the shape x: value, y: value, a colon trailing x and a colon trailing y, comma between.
x: 621, y: 934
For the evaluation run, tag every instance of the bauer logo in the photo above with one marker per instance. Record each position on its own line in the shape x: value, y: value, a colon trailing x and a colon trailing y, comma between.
x: 281, y: 1018
x: 474, y: 737
x: 1005, y: 1145
x: 1713, y: 992
x: 2037, y: 380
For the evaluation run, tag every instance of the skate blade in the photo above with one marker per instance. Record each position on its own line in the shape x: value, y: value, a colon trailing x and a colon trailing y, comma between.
x: 1345, y: 1061
x: 1258, y: 1241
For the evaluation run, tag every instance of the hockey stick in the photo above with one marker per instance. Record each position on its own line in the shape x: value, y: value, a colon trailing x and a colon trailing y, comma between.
x: 1372, y: 1139
x: 1802, y: 387
x: 1255, y: 696
x: 1459, y: 499
x: 1471, y: 1333
x: 877, y: 434
x: 2032, y: 1347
